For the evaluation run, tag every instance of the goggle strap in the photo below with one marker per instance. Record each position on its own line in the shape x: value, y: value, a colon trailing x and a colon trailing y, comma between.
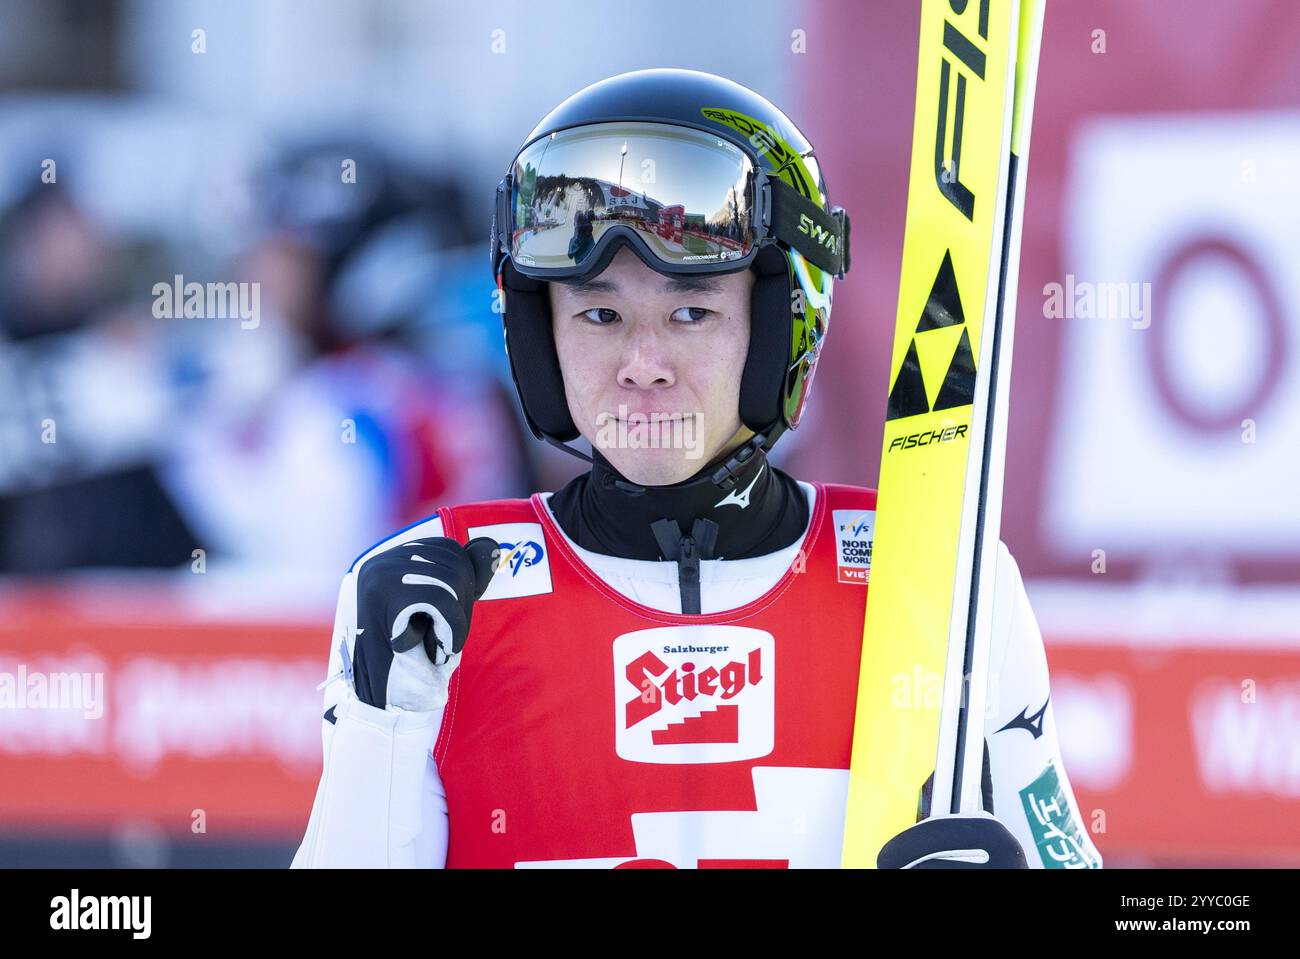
x: 806, y: 227
x: 502, y: 222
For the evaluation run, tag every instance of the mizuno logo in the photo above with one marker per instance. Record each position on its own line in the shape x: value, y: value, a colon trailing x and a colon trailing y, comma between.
x: 1034, y: 723
x: 740, y: 499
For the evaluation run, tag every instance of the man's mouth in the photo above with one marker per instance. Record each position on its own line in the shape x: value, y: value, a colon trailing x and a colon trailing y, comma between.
x: 643, y: 416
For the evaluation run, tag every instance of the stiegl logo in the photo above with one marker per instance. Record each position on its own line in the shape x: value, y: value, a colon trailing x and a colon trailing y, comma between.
x: 685, y: 684
x: 694, y: 694
x: 76, y: 912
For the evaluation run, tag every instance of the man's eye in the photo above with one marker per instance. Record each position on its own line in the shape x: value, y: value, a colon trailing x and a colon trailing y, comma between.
x: 600, y: 315
x: 690, y: 314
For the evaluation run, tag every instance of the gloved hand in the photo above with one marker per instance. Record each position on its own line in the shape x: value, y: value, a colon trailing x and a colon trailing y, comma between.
x: 413, y: 616
x: 967, y: 841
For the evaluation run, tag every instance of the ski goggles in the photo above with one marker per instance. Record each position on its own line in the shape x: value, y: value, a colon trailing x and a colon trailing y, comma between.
x: 689, y: 200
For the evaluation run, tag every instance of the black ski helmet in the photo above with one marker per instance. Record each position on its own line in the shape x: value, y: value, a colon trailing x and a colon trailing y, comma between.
x: 791, y: 300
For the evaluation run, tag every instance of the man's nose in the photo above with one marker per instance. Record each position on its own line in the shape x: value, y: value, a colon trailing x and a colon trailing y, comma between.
x: 646, y: 362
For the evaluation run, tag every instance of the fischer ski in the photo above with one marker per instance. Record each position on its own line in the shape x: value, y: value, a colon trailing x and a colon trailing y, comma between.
x: 923, y: 682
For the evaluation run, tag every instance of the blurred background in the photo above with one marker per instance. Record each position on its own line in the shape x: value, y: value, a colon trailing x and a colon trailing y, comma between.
x: 182, y: 488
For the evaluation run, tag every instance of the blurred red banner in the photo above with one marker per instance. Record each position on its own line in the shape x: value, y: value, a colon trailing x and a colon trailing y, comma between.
x: 119, y: 707
x: 125, y: 706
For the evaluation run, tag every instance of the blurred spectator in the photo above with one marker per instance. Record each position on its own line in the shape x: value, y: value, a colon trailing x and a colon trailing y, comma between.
x: 80, y: 404
x: 364, y: 434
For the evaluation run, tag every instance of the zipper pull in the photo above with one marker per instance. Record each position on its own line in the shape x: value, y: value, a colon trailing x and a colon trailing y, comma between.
x: 688, y: 574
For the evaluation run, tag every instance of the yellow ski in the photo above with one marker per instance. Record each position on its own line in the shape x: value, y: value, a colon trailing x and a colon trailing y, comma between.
x: 925, y: 643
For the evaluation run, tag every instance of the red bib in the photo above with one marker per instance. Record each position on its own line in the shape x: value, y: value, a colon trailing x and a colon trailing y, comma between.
x: 586, y: 729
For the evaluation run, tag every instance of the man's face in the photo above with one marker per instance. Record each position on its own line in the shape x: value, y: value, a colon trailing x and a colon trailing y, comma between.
x: 652, y: 365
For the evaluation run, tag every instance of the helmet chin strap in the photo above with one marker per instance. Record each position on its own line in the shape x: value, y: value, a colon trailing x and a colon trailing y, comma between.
x: 722, y: 476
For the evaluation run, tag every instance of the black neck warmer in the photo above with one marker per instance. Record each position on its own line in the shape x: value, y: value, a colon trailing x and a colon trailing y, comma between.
x: 603, y: 512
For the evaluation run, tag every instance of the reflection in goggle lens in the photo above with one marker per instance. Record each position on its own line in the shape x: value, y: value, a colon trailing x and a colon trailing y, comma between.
x: 688, y: 195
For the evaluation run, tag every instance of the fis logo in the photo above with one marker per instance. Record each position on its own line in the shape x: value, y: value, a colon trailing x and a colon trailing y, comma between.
x: 818, y: 233
x: 694, y: 694
x: 856, y: 528
x: 519, y: 555
x: 523, y: 553
x: 854, y: 533
x: 958, y: 49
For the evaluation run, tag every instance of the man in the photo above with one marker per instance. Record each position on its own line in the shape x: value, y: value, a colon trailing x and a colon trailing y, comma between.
x: 662, y: 661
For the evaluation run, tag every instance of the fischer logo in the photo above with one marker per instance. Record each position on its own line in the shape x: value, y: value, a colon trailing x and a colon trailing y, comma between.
x: 854, y: 533
x: 926, y: 437
x: 694, y: 694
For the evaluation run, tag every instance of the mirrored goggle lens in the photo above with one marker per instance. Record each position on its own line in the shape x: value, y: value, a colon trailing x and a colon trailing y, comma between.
x: 688, y: 195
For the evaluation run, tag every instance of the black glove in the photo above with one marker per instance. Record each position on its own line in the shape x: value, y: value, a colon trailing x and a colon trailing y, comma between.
x: 413, y: 608
x: 933, y: 844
